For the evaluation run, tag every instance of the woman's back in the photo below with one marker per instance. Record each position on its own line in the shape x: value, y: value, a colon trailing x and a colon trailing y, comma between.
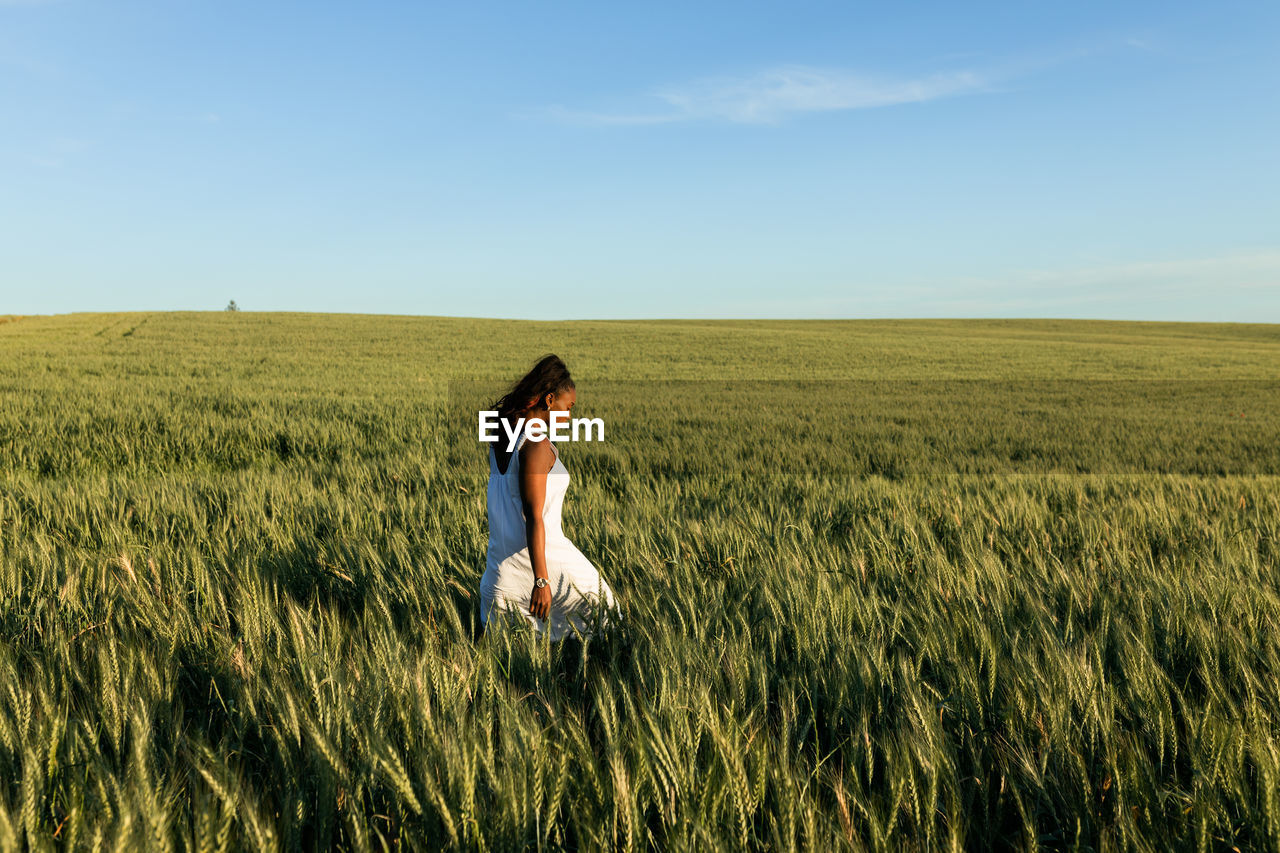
x: 508, y: 577
x: 507, y: 535
x: 506, y: 517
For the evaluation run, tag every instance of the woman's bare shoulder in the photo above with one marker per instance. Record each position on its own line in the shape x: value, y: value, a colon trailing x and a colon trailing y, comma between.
x: 537, y: 456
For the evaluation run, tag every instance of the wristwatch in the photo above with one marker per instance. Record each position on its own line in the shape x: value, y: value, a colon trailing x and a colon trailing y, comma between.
x: 539, y: 582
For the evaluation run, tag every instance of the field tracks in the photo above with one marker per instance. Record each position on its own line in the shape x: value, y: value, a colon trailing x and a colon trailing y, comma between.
x: 118, y: 323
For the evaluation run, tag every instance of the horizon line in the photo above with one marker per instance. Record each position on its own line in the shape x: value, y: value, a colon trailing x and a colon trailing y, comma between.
x: 11, y: 317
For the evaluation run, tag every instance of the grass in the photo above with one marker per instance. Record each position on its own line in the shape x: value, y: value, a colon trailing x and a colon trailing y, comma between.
x: 887, y: 585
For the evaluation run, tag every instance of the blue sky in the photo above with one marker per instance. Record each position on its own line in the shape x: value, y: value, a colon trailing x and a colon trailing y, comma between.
x: 568, y: 160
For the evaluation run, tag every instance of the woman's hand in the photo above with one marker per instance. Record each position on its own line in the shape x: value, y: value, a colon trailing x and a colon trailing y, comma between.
x: 540, y: 602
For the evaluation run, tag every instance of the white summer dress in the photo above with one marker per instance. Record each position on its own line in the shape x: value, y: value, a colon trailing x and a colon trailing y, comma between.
x: 507, y: 583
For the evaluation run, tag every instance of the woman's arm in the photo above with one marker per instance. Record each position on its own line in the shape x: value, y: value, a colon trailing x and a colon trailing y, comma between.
x: 536, y: 459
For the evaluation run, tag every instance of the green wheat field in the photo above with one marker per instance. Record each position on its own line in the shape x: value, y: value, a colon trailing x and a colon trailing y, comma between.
x: 885, y: 584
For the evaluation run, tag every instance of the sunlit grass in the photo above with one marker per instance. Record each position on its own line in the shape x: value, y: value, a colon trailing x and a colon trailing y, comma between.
x: 241, y: 555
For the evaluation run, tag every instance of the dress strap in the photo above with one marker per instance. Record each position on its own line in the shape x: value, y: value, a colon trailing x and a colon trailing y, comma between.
x: 524, y: 435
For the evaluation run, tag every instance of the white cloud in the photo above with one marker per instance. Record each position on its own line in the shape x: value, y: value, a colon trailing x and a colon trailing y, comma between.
x: 58, y: 149
x: 771, y: 95
x: 1251, y: 270
x: 1243, y: 285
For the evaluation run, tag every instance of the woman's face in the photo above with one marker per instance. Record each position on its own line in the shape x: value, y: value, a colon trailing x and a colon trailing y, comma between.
x: 563, y: 402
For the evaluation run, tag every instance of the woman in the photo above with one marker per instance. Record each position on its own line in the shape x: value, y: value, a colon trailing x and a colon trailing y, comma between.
x: 532, y: 569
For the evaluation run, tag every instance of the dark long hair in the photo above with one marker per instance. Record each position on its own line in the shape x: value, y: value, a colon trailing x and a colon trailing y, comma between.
x: 548, y: 376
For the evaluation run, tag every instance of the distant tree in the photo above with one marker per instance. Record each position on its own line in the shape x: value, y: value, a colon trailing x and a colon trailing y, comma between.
x: 232, y: 306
